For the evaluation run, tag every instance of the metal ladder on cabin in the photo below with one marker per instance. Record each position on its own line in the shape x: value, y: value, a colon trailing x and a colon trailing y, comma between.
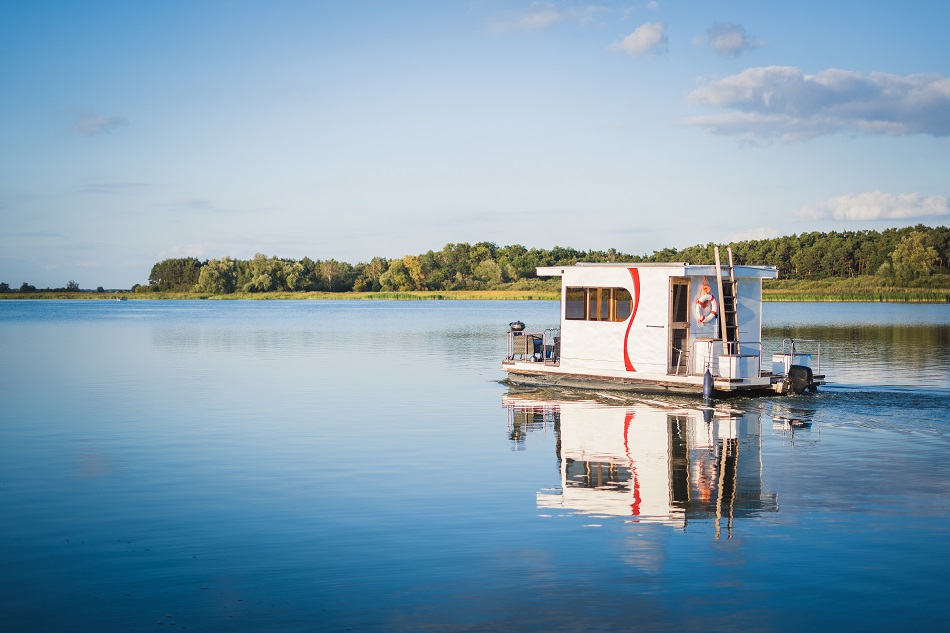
x: 728, y: 317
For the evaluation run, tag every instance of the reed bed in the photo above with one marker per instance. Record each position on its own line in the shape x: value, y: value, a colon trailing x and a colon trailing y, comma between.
x: 864, y: 289
x: 468, y: 295
x: 881, y: 297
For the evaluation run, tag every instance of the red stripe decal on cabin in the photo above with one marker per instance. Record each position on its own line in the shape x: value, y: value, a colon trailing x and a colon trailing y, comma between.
x: 635, y: 274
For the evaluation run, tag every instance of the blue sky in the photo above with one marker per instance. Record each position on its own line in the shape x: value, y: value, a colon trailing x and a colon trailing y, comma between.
x: 134, y: 131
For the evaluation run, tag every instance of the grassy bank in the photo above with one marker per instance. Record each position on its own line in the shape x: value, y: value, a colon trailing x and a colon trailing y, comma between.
x: 935, y: 289
x: 473, y: 295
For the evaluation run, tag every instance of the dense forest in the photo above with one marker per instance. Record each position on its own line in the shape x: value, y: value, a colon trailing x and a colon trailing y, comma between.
x: 908, y: 256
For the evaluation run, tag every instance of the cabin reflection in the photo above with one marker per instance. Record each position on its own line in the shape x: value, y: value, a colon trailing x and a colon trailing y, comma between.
x: 648, y: 462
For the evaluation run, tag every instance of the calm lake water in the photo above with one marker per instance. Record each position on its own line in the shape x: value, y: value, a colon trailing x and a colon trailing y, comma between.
x: 334, y: 466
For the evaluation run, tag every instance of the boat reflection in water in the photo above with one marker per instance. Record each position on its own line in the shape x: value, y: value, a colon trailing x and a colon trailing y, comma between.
x: 649, y: 461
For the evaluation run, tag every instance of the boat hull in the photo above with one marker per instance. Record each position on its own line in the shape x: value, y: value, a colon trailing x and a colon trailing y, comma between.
x: 679, y: 385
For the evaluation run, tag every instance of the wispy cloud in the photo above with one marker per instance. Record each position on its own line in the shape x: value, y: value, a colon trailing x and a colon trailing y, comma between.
x: 96, y: 124
x: 877, y: 205
x: 110, y: 187
x: 196, y: 204
x: 727, y: 39
x: 210, y: 207
x: 542, y: 15
x: 646, y: 38
x: 782, y: 102
x: 37, y: 234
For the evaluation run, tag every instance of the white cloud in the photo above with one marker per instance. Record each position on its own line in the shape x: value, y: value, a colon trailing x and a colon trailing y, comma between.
x: 758, y: 233
x: 653, y: 5
x: 586, y: 14
x: 541, y: 15
x: 95, y: 124
x: 727, y: 39
x: 877, y: 205
x: 782, y: 102
x: 646, y: 38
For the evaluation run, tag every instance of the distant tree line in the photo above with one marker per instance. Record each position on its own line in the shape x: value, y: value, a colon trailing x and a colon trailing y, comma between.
x: 71, y: 286
x: 907, y: 255
x: 456, y: 267
x: 903, y: 255
x: 900, y: 255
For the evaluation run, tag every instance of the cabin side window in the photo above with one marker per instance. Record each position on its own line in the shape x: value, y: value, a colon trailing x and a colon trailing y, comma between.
x: 624, y: 304
x: 575, y: 305
x: 597, y: 304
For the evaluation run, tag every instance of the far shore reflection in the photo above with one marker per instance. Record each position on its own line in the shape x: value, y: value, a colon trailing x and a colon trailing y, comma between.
x: 648, y: 462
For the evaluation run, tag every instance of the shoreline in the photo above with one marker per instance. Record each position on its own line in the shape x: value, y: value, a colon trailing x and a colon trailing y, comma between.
x: 812, y: 295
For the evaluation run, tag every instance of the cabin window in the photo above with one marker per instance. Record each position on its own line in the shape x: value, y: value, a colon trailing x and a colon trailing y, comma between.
x: 595, y: 308
x: 575, y: 306
x: 624, y: 304
x: 597, y: 304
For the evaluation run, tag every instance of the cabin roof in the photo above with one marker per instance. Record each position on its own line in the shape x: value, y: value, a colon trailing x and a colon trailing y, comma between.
x: 676, y: 269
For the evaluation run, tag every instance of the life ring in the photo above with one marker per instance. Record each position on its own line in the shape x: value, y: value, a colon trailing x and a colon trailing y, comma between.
x: 706, y: 308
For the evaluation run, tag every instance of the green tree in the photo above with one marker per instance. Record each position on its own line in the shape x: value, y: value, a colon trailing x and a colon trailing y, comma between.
x: 218, y: 276
x: 488, y: 273
x: 913, y: 258
x: 264, y: 274
x: 72, y: 286
x: 940, y: 240
x: 368, y: 275
x: 301, y: 275
x: 396, y: 277
x: 335, y: 276
x: 177, y: 275
x: 431, y: 263
x: 404, y: 274
x: 561, y: 256
x: 417, y: 272
x: 517, y: 262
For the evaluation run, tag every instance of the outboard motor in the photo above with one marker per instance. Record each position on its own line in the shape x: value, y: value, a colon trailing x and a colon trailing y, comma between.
x: 798, y: 379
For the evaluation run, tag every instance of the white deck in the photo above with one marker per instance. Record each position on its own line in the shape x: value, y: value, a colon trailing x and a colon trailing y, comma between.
x: 532, y: 373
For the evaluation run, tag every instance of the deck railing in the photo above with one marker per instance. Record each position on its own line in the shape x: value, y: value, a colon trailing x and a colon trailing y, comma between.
x: 542, y: 346
x: 804, y: 345
x: 735, y: 348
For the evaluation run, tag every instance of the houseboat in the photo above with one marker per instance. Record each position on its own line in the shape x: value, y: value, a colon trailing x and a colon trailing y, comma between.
x: 661, y: 328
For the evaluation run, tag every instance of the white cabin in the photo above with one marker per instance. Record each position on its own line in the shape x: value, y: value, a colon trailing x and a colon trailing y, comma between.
x: 657, y: 327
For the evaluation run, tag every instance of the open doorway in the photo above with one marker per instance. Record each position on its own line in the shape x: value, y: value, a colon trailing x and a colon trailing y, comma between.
x: 678, y: 357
